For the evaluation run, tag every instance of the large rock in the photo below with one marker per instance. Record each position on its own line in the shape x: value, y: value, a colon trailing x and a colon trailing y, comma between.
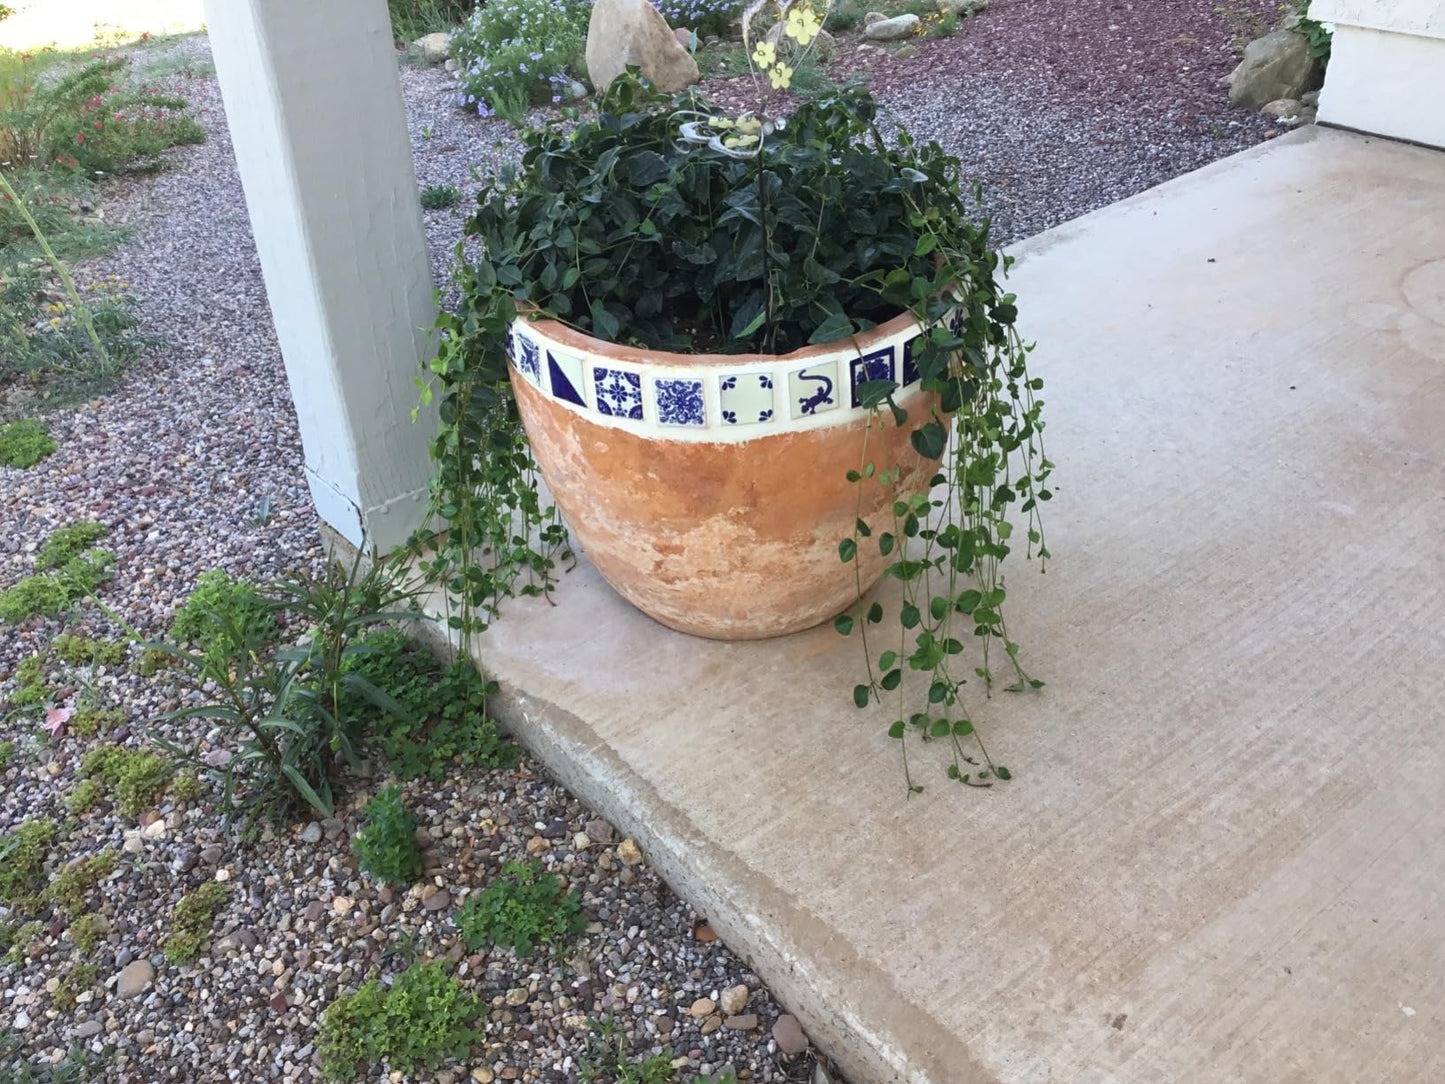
x: 895, y: 29
x: 434, y: 48
x: 626, y: 32
x: 1278, y: 65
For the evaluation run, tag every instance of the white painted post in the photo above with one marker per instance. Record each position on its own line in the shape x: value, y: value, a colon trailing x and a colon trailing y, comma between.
x: 1387, y: 67
x: 315, y: 112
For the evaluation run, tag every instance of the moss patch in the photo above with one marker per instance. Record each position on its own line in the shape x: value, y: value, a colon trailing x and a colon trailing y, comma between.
x: 74, y: 883
x: 192, y: 922
x: 24, y: 443
x: 82, y: 651
x: 22, y: 861
x: 66, y: 543
x: 135, y: 777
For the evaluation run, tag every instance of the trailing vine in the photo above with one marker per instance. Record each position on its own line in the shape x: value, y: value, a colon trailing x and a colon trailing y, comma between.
x: 668, y: 225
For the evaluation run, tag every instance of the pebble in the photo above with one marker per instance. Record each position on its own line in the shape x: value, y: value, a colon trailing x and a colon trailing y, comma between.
x: 311, y: 833
x: 155, y: 830
x: 88, y: 1029
x: 741, y: 1023
x: 629, y: 853
x: 703, y: 1006
x: 135, y: 979
x: 711, y: 1024
x: 601, y: 831
x: 342, y: 905
x: 437, y: 901
x: 788, y: 1034
x: 733, y: 1000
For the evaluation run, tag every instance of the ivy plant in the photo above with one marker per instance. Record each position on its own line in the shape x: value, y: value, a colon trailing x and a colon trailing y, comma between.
x: 780, y: 235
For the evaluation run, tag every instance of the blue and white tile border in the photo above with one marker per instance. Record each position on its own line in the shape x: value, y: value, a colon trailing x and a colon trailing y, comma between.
x: 713, y: 402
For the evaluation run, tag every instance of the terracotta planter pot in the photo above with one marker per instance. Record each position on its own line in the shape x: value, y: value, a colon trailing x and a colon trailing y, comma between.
x: 711, y: 490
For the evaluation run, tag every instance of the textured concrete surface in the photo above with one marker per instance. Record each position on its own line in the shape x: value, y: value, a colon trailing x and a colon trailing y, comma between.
x: 1222, y: 857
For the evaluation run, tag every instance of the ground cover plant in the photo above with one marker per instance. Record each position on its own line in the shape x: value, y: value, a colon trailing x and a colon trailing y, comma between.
x: 423, y: 1018
x: 513, y: 54
x: 522, y: 908
x: 24, y: 443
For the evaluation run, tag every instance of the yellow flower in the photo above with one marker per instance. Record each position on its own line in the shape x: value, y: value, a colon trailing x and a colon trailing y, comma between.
x: 782, y: 77
x: 803, y: 24
x: 749, y: 124
x: 765, y: 55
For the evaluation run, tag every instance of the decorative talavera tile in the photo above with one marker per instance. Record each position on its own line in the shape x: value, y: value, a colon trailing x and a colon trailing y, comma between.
x: 814, y: 389
x: 746, y: 398
x: 910, y: 362
x: 567, y: 374
x: 529, y: 359
x: 619, y: 393
x: 679, y: 401
x: 875, y: 366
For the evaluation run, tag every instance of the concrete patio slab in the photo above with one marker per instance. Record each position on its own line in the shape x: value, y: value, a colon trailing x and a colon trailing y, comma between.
x: 1222, y: 857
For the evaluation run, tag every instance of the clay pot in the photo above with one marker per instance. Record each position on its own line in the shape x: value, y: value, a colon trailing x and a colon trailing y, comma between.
x: 711, y: 490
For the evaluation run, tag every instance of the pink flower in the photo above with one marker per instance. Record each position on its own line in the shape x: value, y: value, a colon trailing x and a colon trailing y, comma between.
x: 55, y: 719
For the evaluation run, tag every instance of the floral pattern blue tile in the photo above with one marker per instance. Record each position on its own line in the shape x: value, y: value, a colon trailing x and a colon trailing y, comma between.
x: 529, y: 362
x: 814, y: 389
x: 679, y: 402
x: 746, y: 398
x: 875, y: 366
x: 910, y: 363
x: 565, y: 373
x: 619, y: 393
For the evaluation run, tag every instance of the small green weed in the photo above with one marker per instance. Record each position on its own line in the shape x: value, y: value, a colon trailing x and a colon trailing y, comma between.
x: 287, y: 713
x: 72, y: 885
x: 194, y: 916
x: 87, y: 930
x: 386, y: 847
x: 22, y: 861
x: 437, y: 197
x: 82, y: 651
x: 218, y: 602
x: 522, y: 907
x: 64, y: 544
x: 24, y: 443
x: 422, y: 1019
x: 608, y: 1059
x: 7, y: 754
x: 137, y: 778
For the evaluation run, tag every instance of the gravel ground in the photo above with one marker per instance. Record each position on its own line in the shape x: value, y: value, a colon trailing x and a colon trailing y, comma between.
x: 1059, y: 106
